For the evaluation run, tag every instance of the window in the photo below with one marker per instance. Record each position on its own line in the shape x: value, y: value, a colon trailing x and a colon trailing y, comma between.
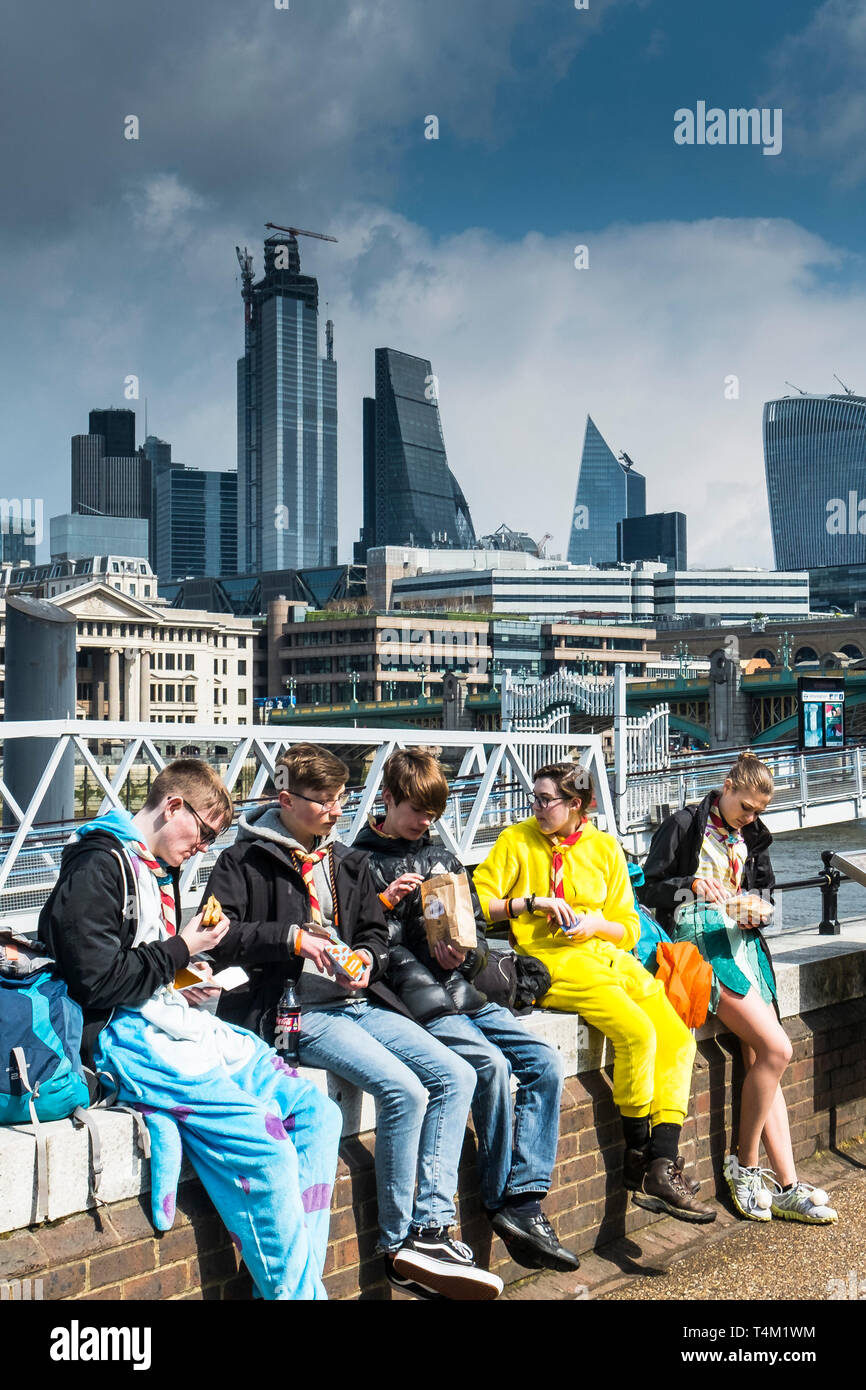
x: 242, y: 697
x: 242, y: 668
x: 189, y: 694
x: 216, y: 668
x: 189, y: 662
x: 169, y: 692
x: 242, y: 642
x: 169, y: 661
x: 225, y: 695
x: 225, y: 667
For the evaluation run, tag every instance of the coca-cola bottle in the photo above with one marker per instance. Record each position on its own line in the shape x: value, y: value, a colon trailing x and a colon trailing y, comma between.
x: 287, y: 1033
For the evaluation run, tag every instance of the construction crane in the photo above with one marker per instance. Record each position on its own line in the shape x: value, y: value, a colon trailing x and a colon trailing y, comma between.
x: 795, y: 388
x: 539, y: 549
x: 245, y: 261
x: 846, y: 389
x: 297, y: 231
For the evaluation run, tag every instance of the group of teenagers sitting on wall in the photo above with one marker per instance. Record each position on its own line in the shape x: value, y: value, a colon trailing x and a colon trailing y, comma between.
x: 413, y: 1030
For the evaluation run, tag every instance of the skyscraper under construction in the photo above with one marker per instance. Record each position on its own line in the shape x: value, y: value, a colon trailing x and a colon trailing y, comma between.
x: 287, y: 419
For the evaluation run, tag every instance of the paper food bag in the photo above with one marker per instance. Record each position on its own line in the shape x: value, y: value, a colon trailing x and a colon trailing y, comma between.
x: 448, y: 912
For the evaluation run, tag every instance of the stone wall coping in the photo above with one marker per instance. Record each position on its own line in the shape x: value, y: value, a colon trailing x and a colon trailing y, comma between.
x: 812, y: 972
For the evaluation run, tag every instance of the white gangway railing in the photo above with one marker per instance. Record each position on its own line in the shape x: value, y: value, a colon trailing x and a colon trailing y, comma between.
x: 490, y: 776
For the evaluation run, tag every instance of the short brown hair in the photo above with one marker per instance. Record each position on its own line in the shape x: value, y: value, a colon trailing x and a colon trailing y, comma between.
x: 414, y: 774
x: 195, y: 780
x: 572, y: 781
x: 749, y: 774
x: 308, y: 765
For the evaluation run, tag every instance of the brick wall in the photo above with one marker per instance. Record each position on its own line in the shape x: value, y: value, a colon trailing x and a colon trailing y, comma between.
x: 113, y: 1253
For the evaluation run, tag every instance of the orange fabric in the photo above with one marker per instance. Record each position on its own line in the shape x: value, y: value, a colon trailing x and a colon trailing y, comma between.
x: 687, y: 978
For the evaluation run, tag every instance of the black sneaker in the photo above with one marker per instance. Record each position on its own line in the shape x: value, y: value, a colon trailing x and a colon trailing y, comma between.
x: 444, y: 1266
x: 406, y: 1285
x: 532, y: 1241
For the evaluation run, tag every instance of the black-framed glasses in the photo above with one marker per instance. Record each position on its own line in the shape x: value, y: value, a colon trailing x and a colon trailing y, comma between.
x: 542, y: 802
x: 338, y: 801
x: 208, y: 834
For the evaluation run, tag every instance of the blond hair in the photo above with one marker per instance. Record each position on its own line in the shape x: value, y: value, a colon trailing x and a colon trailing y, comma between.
x: 192, y: 779
x: 749, y: 774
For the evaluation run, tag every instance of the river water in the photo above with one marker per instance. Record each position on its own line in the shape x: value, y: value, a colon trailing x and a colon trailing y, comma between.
x: 798, y: 855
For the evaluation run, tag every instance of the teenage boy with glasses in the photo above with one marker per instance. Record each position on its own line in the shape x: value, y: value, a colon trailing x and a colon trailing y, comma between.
x: 260, y: 1139
x: 287, y: 873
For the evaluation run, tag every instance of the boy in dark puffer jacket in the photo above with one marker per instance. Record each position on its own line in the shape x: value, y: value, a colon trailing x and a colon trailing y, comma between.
x: 516, y: 1155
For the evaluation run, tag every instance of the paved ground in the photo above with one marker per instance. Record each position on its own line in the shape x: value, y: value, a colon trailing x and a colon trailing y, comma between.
x: 732, y: 1258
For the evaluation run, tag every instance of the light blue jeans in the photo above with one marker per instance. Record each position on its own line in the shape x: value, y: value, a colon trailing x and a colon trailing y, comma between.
x: 514, y: 1156
x: 422, y: 1092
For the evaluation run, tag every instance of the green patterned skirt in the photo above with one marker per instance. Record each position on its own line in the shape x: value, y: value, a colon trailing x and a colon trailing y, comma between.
x: 737, y: 957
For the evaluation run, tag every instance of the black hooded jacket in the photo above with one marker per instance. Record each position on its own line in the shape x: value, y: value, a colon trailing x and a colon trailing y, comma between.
x: 89, y: 923
x: 674, y: 853
x: 427, y: 991
x: 261, y: 891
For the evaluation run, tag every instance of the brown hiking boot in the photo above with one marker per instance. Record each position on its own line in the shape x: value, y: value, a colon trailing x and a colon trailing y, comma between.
x: 664, y: 1189
x: 634, y: 1167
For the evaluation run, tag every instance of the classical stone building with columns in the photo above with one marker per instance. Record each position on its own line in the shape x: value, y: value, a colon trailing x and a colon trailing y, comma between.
x: 146, y: 662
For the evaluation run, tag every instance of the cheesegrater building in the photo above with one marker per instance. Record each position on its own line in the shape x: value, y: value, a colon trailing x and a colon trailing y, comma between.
x: 287, y: 419
x: 411, y: 497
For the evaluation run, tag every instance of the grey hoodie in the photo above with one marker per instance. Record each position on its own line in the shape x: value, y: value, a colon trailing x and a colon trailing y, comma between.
x: 264, y: 823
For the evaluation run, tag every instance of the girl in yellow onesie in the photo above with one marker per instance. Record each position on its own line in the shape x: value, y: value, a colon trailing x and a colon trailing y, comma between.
x: 565, y: 886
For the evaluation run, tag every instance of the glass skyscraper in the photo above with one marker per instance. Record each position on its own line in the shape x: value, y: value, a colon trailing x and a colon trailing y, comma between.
x: 287, y: 421
x: 657, y: 536
x: 195, y: 523
x: 411, y: 497
x: 608, y: 491
x: 815, y: 461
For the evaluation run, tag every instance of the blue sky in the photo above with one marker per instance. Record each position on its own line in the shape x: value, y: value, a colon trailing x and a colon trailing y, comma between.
x: 556, y: 128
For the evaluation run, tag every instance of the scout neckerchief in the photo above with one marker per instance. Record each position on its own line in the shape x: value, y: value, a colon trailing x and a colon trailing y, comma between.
x: 723, y: 852
x: 306, y: 861
x: 557, y: 875
x: 164, y: 883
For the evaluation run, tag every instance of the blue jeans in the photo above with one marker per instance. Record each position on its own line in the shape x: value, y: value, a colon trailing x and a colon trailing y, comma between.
x: 422, y: 1093
x: 514, y: 1156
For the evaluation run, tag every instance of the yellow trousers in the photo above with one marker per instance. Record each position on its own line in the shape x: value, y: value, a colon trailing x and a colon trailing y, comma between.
x: 653, y: 1048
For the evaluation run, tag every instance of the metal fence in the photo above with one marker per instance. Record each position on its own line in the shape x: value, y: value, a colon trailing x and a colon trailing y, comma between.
x: 490, y: 776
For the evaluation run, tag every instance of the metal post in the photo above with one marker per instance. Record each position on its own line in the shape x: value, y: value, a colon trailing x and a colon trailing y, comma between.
x: 619, y: 746
x: 40, y: 685
x: 829, y: 925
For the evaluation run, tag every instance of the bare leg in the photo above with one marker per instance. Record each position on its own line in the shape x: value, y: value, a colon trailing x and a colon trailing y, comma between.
x: 762, y: 1107
x: 777, y: 1131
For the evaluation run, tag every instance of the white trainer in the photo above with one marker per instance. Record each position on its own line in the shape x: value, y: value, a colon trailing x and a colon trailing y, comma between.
x: 804, y: 1203
x: 748, y: 1189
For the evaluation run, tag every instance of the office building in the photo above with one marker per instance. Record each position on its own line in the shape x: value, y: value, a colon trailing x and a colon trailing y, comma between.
x: 117, y: 428
x: 658, y: 536
x: 410, y: 494
x: 287, y: 420
x: 195, y: 522
x: 815, y: 462
x: 76, y: 535
x: 608, y: 490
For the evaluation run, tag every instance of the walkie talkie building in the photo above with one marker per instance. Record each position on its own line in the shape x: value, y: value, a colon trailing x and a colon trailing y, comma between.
x: 815, y: 461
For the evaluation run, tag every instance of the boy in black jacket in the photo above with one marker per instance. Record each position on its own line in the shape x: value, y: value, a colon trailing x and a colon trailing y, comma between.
x: 516, y: 1156
x: 284, y: 882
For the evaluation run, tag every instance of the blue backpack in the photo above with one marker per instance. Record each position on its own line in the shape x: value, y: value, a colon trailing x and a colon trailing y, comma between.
x: 650, y: 931
x: 41, y: 1075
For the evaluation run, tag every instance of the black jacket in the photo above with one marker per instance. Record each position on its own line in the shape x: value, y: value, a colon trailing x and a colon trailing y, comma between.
x: 88, y: 924
x: 263, y: 894
x: 675, y: 851
x: 416, y: 976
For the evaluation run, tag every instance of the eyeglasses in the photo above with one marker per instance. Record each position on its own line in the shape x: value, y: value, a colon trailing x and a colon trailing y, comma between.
x: 338, y: 801
x: 207, y: 833
x: 542, y: 802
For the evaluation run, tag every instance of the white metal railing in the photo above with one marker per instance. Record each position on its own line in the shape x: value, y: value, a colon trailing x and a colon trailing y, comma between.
x: 490, y: 773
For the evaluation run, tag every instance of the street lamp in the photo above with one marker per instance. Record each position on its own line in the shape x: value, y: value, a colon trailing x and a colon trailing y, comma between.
x: 354, y: 677
x: 422, y: 668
